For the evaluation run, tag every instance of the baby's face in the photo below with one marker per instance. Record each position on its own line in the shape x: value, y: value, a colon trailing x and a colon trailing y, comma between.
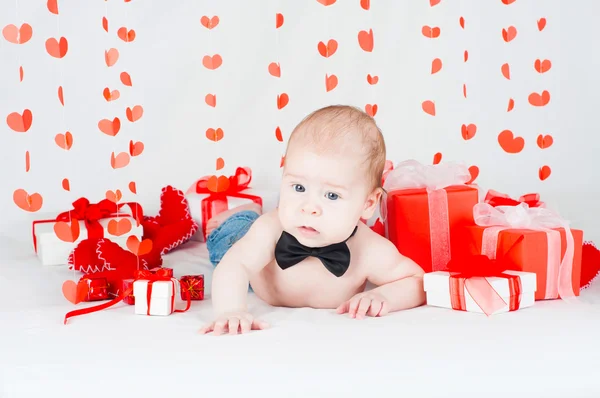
x: 323, y: 196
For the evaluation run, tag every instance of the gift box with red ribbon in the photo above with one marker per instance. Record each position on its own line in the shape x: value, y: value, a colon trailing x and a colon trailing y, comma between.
x: 547, y: 245
x: 212, y: 195
x: 424, y: 206
x: 192, y: 285
x: 478, y: 284
x: 55, y: 238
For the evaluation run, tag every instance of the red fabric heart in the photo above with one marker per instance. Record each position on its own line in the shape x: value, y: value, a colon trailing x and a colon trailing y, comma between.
x: 173, y: 225
x: 590, y: 264
x: 84, y: 257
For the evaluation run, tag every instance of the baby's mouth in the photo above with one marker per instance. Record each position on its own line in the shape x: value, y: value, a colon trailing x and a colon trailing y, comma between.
x: 308, y: 231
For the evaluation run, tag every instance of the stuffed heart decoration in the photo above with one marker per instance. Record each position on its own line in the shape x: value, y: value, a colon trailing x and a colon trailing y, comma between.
x: 97, y: 255
x: 173, y: 225
x: 590, y: 264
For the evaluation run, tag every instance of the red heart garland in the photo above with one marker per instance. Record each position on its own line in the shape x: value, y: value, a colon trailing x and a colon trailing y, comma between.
x: 173, y: 225
x: 590, y: 264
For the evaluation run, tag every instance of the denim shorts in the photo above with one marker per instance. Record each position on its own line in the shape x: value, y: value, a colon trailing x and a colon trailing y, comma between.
x: 230, y: 231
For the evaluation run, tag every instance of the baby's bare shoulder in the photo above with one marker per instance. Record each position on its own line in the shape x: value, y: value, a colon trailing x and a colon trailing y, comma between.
x: 370, y: 245
x: 266, y: 228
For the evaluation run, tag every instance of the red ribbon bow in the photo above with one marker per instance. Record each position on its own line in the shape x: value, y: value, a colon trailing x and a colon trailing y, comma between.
x: 162, y: 274
x: 495, y: 198
x: 470, y: 273
x: 235, y: 183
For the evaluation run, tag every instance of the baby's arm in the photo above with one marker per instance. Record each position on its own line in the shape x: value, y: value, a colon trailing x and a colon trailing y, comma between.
x: 399, y: 282
x: 231, y: 277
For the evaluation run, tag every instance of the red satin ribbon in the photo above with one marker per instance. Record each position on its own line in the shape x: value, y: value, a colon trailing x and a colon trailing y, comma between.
x: 216, y: 202
x: 470, y: 272
x: 159, y: 275
x: 91, y: 214
x: 495, y: 198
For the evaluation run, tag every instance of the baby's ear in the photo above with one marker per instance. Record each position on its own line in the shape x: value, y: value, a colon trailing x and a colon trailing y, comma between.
x: 371, y: 203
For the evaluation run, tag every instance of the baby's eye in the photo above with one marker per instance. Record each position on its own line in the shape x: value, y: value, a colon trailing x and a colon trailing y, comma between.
x: 332, y: 196
x: 299, y: 188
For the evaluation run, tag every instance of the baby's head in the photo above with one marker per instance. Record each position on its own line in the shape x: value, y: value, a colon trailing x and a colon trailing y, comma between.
x: 332, y: 175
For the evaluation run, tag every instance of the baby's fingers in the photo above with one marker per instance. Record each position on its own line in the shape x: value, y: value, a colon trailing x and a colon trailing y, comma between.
x: 375, y: 308
x: 257, y: 324
x: 207, y: 328
x: 363, y: 307
x: 220, y: 326
x: 234, y: 324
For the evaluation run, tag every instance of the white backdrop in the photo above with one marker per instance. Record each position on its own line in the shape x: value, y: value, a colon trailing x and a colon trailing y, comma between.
x: 165, y: 62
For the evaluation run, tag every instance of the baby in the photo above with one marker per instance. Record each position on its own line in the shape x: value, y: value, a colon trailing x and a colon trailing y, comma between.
x: 314, y: 250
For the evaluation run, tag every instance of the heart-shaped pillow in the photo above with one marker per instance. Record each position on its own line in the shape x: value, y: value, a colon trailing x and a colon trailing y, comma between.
x: 173, y: 225
x: 590, y: 264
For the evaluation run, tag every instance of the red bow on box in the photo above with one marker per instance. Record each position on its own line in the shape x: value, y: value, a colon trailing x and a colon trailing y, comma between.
x: 91, y: 213
x: 161, y: 274
x: 218, y: 189
x: 495, y: 198
x: 470, y: 273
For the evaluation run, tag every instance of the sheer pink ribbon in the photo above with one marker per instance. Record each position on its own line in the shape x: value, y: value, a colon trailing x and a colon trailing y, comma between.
x: 411, y: 174
x: 496, y: 219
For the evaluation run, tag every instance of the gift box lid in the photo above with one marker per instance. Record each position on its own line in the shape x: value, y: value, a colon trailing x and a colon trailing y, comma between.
x: 438, y: 281
x: 163, y: 289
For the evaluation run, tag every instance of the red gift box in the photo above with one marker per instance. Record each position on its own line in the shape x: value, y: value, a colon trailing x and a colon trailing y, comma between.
x: 548, y: 247
x: 425, y: 205
x: 97, y: 288
x: 128, y: 286
x: 192, y: 285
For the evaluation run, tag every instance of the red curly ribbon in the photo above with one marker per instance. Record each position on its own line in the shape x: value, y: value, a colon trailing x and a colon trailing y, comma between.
x: 495, y: 198
x: 91, y: 213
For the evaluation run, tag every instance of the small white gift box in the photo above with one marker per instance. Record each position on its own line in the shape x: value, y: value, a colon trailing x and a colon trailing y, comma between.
x: 490, y: 295
x: 162, y: 300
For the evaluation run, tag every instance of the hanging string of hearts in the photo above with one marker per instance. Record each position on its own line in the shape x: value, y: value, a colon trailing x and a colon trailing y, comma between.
x: 275, y: 71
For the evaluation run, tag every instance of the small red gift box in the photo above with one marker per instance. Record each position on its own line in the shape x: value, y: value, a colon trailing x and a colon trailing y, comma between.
x: 192, y: 285
x: 548, y: 247
x: 97, y: 288
x: 425, y: 206
x: 130, y: 298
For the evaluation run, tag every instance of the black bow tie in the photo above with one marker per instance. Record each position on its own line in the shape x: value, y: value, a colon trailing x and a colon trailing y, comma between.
x: 335, y: 257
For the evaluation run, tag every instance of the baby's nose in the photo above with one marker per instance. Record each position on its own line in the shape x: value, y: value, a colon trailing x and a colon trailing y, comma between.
x: 312, y: 209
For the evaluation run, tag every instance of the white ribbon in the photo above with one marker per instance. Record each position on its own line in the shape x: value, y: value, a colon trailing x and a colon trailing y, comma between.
x: 496, y: 219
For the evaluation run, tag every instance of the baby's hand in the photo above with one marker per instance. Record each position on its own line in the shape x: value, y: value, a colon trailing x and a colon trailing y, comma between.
x: 367, y: 303
x: 233, y: 323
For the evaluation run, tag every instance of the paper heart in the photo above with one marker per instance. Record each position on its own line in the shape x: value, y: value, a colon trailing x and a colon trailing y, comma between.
x: 428, y: 107
x: 17, y: 35
x: 217, y: 184
x: 509, y: 34
x: 278, y: 20
x: 510, y: 143
x: 326, y: 2
x: 20, y: 122
x: 74, y: 292
x: 67, y: 231
x: 211, y: 100
x: 52, y: 6
x: 474, y: 171
x: 110, y: 95
x: 365, y: 40
x: 542, y: 66
x: 545, y: 141
x: 372, y: 79
x: 544, y: 172
x: 136, y: 149
x: 436, y: 66
x: 105, y: 24
x: 132, y: 187
x: 137, y: 247
x: 366, y: 4
x: 511, y: 105
x: 209, y: 23
x: 274, y: 69
x: 134, y: 114
x: 590, y: 264
x: 20, y: 73
x: 110, y: 127
x: 433, y: 3
x: 61, y: 96
x: 119, y: 227
x: 213, y: 62
x: 507, y: 2
x: 119, y: 161
x: 431, y: 32
x: 437, y: 158
x: 461, y: 22
x: 537, y: 99
x: 282, y: 100
x: 371, y: 110
x: 126, y: 35
x: 278, y: 134
x: 125, y: 79
x: 27, y: 162
x: 330, y: 82
x: 506, y: 71
x: 541, y: 23
x: 66, y: 184
x: 114, y: 196
x: 466, y: 56
x: 214, y: 135
x: 111, y: 57
x: 64, y: 141
x: 469, y: 131
x: 24, y: 201
x: 57, y: 48
x: 327, y: 50
x: 220, y: 163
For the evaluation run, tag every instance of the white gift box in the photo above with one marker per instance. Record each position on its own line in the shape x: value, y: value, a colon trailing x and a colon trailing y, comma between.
x: 162, y: 301
x: 53, y: 251
x: 270, y: 200
x: 439, y: 292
